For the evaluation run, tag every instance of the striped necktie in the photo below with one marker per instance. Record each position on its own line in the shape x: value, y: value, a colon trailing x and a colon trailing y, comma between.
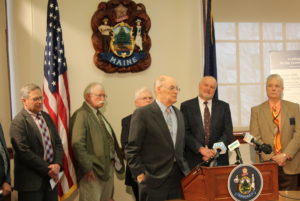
x: 46, y: 139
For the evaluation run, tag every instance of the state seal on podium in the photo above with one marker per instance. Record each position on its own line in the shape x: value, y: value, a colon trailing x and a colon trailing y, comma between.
x: 245, y: 183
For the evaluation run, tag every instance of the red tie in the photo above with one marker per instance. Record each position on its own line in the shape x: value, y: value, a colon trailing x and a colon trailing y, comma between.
x: 46, y: 139
x: 206, y: 123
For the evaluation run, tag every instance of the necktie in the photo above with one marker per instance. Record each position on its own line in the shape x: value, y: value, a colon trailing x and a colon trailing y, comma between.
x: 170, y: 123
x: 277, y: 143
x: 46, y: 139
x: 206, y: 123
x: 3, y: 155
x: 108, y: 136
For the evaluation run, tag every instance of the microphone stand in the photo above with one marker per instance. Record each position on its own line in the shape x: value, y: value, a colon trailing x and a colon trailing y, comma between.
x: 239, y: 159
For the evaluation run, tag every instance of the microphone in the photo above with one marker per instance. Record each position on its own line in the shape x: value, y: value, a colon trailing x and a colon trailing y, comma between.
x: 266, y: 148
x: 219, y: 148
x: 235, y: 146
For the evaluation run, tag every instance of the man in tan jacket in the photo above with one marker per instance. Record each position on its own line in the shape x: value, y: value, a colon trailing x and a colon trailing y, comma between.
x: 277, y: 122
x: 95, y: 147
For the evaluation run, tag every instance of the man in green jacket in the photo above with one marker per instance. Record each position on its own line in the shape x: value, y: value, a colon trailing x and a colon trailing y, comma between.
x: 95, y: 147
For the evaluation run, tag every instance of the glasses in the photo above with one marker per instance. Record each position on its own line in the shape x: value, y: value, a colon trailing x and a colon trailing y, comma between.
x: 100, y: 95
x: 40, y: 98
x: 173, y: 88
x: 146, y: 98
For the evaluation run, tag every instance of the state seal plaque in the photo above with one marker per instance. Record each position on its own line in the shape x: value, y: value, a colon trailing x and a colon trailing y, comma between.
x: 245, y: 183
x: 120, y: 36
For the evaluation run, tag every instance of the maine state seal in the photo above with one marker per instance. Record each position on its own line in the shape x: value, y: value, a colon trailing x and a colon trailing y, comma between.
x: 245, y: 183
x: 120, y: 36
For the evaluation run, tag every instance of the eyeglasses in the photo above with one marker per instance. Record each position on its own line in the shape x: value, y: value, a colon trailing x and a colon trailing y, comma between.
x: 173, y: 88
x: 40, y: 98
x: 146, y: 98
x: 100, y: 95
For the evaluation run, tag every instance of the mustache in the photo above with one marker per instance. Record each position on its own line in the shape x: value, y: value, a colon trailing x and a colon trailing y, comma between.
x: 101, y: 102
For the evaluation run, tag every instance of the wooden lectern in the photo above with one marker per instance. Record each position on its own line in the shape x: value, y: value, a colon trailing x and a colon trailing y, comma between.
x: 210, y: 183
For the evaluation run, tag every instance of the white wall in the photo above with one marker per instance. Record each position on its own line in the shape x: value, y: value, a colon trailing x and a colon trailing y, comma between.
x: 176, y: 50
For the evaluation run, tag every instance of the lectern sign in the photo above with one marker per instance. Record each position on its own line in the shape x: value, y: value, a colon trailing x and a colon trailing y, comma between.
x: 245, y: 183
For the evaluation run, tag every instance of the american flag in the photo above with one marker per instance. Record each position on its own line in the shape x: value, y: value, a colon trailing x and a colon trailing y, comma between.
x: 56, y: 93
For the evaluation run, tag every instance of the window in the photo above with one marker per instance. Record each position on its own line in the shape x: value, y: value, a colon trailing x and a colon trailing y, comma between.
x: 243, y: 62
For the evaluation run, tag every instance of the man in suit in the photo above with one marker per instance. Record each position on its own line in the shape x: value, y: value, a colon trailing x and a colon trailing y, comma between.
x: 5, y: 184
x: 201, y: 135
x: 95, y: 147
x: 277, y: 122
x: 156, y: 142
x: 143, y: 97
x: 38, y: 152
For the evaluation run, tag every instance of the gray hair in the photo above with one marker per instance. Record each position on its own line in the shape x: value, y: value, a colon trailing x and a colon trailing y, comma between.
x: 26, y: 89
x: 276, y: 77
x: 141, y: 90
x: 89, y: 88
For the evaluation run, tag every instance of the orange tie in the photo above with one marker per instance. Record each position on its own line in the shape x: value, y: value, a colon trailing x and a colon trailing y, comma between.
x: 277, y: 143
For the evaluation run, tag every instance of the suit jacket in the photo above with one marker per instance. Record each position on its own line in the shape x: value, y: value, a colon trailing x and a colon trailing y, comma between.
x: 129, y: 180
x: 220, y: 129
x: 31, y: 170
x: 4, y: 177
x: 90, y: 145
x: 262, y: 128
x: 150, y: 148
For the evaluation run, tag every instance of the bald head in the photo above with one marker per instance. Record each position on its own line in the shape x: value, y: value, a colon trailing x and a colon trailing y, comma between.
x: 207, y: 87
x: 166, y: 90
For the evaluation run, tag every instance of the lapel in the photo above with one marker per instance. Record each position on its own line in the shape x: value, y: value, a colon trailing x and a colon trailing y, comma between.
x: 158, y: 117
x: 198, y: 116
x: 180, y: 128
x: 92, y: 115
x: 284, y: 115
x: 267, y: 116
x: 215, y: 111
x: 33, y: 125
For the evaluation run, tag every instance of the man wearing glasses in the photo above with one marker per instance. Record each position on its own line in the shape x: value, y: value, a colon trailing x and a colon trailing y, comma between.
x: 207, y: 121
x: 155, y: 146
x: 38, y: 152
x: 95, y: 147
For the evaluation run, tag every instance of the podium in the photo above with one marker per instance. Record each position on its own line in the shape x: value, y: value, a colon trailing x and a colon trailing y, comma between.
x: 210, y: 183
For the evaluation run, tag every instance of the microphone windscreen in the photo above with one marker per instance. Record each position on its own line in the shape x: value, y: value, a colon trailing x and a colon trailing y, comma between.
x: 220, y: 147
x: 248, y: 138
x: 234, y: 145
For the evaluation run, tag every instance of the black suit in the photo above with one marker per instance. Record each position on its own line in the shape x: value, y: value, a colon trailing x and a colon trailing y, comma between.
x: 4, y: 176
x: 31, y: 170
x: 150, y: 148
x: 129, y: 180
x: 220, y: 129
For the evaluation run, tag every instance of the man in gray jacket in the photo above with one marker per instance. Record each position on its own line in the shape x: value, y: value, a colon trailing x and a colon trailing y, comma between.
x: 38, y: 152
x: 95, y: 147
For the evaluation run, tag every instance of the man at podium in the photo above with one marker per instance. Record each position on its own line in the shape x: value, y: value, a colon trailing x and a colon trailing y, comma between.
x: 207, y: 121
x: 277, y: 122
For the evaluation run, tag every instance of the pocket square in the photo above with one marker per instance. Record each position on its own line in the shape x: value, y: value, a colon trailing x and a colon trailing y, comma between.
x: 292, y: 121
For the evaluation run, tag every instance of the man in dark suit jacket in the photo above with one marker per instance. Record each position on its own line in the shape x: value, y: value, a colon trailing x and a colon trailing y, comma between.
x: 5, y: 184
x: 143, y: 97
x: 199, y: 149
x: 38, y: 152
x: 156, y: 143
